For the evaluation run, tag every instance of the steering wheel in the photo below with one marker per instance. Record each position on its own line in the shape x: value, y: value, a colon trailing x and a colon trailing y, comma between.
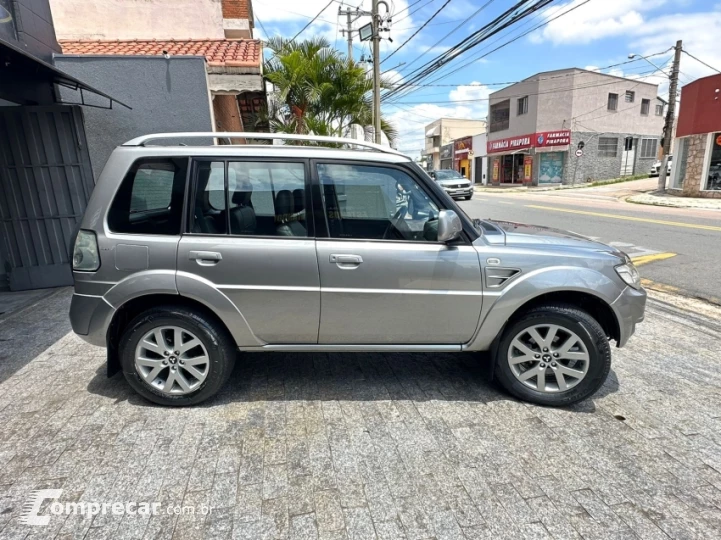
x: 391, y: 226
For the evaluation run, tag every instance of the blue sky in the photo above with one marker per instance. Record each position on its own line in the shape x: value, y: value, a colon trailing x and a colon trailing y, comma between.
x: 597, y: 34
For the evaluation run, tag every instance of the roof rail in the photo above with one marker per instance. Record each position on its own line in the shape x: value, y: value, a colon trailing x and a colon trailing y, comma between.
x: 143, y: 140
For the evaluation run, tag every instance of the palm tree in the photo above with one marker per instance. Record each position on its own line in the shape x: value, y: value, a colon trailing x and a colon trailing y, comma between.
x: 318, y: 90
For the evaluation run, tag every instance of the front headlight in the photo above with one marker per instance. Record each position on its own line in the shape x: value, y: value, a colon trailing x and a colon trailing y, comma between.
x: 628, y: 273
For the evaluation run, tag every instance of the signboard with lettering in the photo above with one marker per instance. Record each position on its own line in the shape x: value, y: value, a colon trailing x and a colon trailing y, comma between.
x: 536, y: 140
x: 494, y: 176
x: 527, y: 169
x: 447, y: 151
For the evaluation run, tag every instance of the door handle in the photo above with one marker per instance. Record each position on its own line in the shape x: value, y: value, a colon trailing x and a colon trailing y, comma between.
x: 205, y: 257
x: 346, y: 260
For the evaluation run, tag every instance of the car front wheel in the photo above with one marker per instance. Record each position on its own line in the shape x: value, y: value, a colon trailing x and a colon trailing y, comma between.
x: 553, y: 355
x: 176, y: 356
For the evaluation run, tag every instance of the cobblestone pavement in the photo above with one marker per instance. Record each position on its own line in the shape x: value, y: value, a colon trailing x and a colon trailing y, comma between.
x: 370, y: 446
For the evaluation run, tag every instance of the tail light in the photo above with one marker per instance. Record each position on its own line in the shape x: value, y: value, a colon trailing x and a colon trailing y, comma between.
x: 85, y: 254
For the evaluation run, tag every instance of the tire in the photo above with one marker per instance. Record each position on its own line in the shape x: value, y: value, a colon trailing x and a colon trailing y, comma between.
x: 468, y: 197
x: 570, y: 321
x: 215, y: 344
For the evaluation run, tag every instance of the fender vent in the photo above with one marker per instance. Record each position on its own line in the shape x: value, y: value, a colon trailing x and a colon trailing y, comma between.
x: 497, y: 277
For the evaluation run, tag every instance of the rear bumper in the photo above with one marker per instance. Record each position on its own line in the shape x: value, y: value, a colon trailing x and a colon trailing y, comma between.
x: 90, y: 317
x: 630, y: 308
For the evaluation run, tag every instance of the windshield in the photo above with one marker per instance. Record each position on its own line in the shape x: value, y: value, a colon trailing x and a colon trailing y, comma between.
x: 447, y: 174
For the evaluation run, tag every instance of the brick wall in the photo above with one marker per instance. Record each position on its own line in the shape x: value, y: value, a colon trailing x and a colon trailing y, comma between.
x: 251, y: 104
x: 693, y: 180
x: 236, y: 9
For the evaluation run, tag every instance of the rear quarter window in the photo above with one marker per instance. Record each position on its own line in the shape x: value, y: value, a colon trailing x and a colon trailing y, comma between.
x: 150, y: 198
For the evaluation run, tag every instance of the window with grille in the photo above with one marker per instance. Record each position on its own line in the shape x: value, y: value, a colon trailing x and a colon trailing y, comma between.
x: 608, y: 146
x: 522, y: 105
x: 649, y: 148
x: 630, y: 96
x: 500, y: 116
x: 612, y: 102
x: 645, y: 106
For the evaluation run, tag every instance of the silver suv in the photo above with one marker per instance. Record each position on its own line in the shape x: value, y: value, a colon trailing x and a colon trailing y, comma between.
x: 187, y: 255
x: 453, y: 183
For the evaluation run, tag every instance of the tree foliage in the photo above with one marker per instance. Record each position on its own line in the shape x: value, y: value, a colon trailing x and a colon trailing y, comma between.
x: 316, y: 89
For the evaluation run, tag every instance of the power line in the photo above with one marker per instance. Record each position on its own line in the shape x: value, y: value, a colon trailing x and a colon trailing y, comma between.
x: 700, y: 61
x: 511, y: 16
x: 516, y: 38
x: 414, y: 11
x: 414, y: 34
x: 523, y: 94
x: 484, y: 6
x: 312, y: 20
x: 267, y: 35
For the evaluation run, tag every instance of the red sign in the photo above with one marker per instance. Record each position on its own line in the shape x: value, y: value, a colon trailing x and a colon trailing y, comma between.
x: 535, y: 140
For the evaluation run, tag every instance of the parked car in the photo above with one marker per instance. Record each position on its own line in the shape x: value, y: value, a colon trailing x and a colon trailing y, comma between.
x: 656, y: 167
x: 453, y: 183
x: 188, y: 255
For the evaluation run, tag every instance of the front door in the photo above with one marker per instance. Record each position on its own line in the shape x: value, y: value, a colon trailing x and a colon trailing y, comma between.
x: 250, y: 238
x: 384, y: 277
x: 628, y: 157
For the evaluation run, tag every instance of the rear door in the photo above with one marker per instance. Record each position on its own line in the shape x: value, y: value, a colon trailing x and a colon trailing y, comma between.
x: 385, y: 279
x: 250, y: 237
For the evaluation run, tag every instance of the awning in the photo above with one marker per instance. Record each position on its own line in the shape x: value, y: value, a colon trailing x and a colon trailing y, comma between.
x: 434, y: 132
x: 15, y: 60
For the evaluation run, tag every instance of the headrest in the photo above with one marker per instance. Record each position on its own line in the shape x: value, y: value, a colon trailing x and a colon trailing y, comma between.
x: 241, y: 196
x: 283, y: 202
x: 298, y: 200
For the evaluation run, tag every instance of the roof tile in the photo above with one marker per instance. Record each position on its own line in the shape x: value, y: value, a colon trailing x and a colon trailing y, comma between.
x: 217, y: 52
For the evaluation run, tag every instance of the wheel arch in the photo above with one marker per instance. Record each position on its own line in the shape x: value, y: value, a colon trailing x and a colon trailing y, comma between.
x: 137, y: 305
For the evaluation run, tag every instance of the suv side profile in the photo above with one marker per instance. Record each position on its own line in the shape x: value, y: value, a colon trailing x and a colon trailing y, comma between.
x: 188, y: 255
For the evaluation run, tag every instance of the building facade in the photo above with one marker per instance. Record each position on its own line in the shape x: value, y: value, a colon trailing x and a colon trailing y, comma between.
x: 45, y: 173
x: 132, y: 44
x: 479, y: 163
x: 572, y: 126
x: 696, y: 170
x: 443, y: 132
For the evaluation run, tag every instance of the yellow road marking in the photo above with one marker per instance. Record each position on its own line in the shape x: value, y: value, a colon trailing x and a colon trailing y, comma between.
x: 629, y: 218
x: 662, y: 287
x: 645, y: 259
x: 504, y: 202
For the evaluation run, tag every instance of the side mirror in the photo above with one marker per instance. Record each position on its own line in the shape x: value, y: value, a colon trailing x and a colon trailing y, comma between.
x: 449, y: 226
x: 432, y: 175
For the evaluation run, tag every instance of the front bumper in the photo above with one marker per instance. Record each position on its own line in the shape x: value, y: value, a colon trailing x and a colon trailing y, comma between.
x: 630, y: 307
x: 459, y: 192
x: 90, y: 317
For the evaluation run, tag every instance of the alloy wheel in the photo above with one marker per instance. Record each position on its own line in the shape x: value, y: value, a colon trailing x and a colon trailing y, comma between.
x: 172, y: 360
x: 548, y: 358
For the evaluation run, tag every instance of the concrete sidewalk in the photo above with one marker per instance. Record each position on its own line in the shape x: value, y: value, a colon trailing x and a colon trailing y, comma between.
x: 660, y: 198
x: 612, y: 186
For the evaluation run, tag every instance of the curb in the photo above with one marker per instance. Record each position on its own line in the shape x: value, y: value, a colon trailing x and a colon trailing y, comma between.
x: 654, y: 200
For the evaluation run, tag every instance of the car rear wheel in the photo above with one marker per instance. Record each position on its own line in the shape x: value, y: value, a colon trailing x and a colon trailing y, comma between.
x: 176, y: 356
x: 553, y: 355
x: 468, y: 197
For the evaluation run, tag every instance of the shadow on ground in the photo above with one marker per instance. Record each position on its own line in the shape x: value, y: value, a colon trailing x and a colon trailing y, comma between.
x: 351, y: 377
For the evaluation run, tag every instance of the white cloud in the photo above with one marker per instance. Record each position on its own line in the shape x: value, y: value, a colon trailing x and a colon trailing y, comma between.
x: 588, y: 22
x: 410, y: 120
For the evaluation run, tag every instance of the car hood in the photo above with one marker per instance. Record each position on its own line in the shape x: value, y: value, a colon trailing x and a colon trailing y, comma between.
x: 521, y: 234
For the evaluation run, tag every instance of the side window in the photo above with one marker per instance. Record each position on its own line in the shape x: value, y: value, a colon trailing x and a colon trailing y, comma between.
x: 209, y: 208
x: 376, y: 203
x: 267, y: 198
x: 150, y: 198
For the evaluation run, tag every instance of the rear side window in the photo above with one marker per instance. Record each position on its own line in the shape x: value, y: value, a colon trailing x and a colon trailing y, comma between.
x: 150, y: 199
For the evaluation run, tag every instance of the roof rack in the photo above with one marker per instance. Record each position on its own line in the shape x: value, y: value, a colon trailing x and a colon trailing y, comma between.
x: 142, y: 141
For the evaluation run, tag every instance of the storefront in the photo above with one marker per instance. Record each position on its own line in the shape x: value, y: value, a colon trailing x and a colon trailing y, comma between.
x: 536, y: 158
x: 447, y: 156
x: 696, y: 168
x: 462, y: 155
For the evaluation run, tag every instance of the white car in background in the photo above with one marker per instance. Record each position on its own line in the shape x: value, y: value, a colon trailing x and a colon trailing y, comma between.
x: 656, y: 167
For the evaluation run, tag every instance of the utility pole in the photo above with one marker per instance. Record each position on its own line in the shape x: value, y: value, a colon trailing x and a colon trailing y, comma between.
x: 376, y: 71
x: 349, y: 30
x: 670, y: 114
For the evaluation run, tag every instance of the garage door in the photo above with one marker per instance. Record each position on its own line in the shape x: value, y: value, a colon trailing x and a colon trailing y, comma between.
x: 45, y: 182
